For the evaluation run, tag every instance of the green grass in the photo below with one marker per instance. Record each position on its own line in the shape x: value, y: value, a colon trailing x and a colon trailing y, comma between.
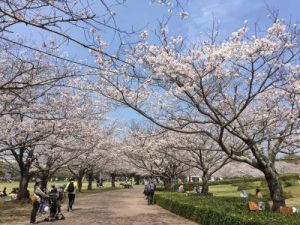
x: 12, y: 185
x: 231, y: 191
x: 224, y: 190
x: 228, y: 190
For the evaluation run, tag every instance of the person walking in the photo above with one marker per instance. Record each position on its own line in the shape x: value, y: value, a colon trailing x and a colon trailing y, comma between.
x: 71, y: 189
x: 38, y: 195
x: 151, y: 187
x: 146, y: 182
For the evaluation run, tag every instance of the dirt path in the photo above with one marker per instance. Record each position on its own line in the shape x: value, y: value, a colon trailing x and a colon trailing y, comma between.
x: 119, y: 207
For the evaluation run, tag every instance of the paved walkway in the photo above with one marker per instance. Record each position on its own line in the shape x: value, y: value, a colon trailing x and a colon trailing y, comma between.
x: 119, y: 207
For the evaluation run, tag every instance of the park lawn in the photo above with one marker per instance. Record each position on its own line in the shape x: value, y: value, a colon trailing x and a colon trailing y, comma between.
x: 15, y: 184
x: 224, y: 190
x: 231, y: 191
x: 295, y: 200
x: 228, y: 190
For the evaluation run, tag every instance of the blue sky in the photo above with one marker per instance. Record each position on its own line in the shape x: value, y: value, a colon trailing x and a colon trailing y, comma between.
x: 230, y: 15
x: 141, y: 14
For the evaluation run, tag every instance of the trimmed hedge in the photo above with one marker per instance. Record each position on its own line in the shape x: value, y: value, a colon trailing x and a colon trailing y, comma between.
x: 220, y: 210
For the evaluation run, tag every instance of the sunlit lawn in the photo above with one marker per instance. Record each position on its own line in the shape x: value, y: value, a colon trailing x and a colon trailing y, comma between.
x: 230, y: 190
x: 224, y: 190
x: 295, y: 200
x: 12, y: 185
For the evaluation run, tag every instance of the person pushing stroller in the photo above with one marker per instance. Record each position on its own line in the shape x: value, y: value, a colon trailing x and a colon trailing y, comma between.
x: 55, y: 199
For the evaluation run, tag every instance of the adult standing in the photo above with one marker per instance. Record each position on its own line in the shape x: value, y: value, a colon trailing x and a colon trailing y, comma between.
x: 71, y: 189
x: 38, y: 194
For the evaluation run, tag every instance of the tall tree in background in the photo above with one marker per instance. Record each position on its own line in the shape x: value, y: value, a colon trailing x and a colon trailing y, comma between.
x: 153, y: 151
x: 199, y: 152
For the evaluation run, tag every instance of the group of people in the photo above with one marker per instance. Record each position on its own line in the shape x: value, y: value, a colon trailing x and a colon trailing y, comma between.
x: 100, y: 182
x: 13, y: 194
x: 54, y: 198
x: 3, y: 192
x: 258, y: 193
x: 149, y: 190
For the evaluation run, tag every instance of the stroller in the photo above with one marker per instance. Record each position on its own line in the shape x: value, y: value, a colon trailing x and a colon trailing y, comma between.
x: 55, y: 199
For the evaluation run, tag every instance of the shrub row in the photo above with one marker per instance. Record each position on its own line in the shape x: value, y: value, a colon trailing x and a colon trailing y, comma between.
x: 220, y: 210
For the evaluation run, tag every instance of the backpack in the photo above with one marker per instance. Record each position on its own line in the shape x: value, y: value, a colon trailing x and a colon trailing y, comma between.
x: 53, y: 198
x: 151, y: 187
x: 71, y: 187
x: 35, y: 198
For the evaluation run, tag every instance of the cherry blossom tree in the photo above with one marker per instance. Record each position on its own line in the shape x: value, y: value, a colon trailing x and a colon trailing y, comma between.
x: 201, y: 153
x: 26, y: 76
x: 96, y: 157
x: 243, y: 93
x: 62, y: 19
x: 116, y: 161
x: 76, y: 133
x: 86, y: 164
x: 41, y: 111
x: 153, y: 152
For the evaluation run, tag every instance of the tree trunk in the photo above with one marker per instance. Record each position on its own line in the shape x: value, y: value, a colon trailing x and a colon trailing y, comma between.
x: 24, y: 168
x: 79, y: 180
x: 90, y: 180
x: 205, y: 183
x: 113, y: 180
x: 276, y: 191
x: 79, y: 183
x: 167, y: 184
x: 44, y: 181
x: 137, y: 179
x: 23, y: 185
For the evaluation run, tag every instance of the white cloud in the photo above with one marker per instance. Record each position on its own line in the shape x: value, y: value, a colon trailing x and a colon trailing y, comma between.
x: 229, y: 14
